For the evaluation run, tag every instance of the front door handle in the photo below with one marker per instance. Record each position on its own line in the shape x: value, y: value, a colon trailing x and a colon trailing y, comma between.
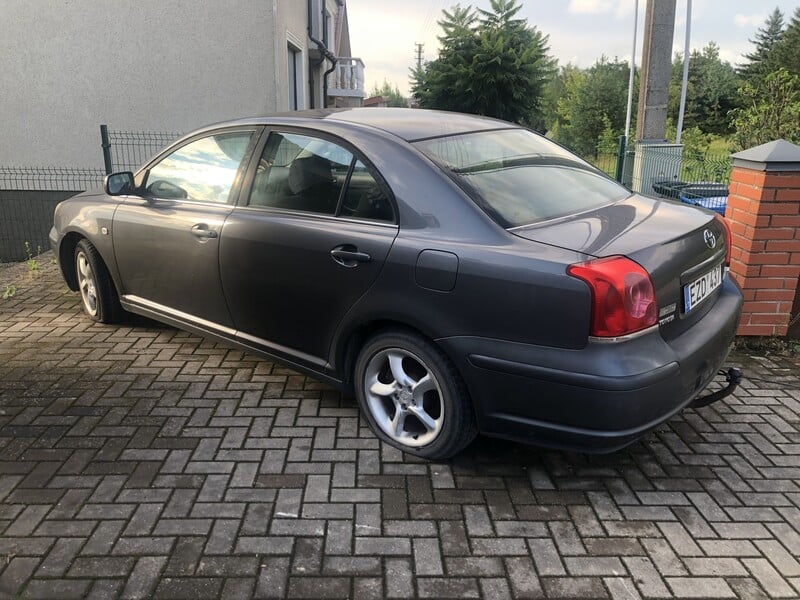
x: 349, y: 256
x: 201, y: 230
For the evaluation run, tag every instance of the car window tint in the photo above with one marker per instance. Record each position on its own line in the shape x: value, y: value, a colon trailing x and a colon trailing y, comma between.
x: 203, y: 170
x: 364, y: 198
x: 300, y: 172
x: 520, y: 178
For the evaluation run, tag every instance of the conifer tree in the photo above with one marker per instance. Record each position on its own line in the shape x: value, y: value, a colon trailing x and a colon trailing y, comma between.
x: 490, y: 63
x: 787, y: 50
x: 762, y: 60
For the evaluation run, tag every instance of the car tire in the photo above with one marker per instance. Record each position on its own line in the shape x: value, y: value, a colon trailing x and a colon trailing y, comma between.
x: 98, y: 295
x: 412, y: 396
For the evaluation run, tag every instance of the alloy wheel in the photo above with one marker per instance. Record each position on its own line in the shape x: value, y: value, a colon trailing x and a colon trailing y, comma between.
x: 87, y: 284
x: 404, y: 397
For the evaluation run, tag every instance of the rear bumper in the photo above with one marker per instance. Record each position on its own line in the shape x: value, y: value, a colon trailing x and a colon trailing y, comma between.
x: 599, y: 398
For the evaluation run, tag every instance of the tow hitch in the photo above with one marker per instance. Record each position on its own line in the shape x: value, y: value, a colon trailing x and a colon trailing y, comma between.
x: 733, y: 376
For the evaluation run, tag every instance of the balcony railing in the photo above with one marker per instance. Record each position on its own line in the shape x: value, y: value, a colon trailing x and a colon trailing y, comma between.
x: 347, y: 79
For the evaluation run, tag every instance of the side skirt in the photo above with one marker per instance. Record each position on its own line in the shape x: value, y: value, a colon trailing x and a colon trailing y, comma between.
x: 318, y: 369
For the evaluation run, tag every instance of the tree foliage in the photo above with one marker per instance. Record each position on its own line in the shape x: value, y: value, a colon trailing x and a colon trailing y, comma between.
x: 787, y: 50
x: 762, y: 60
x: 490, y: 63
x: 770, y: 111
x: 711, y: 91
x: 770, y: 107
x: 591, y: 110
x: 392, y: 94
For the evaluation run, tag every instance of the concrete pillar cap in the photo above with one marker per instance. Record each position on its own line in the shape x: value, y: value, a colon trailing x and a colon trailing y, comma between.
x: 779, y: 155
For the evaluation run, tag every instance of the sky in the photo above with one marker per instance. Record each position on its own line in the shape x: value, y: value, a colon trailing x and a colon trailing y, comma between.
x: 383, y: 32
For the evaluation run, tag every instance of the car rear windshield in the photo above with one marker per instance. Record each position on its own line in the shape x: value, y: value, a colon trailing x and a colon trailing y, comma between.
x: 521, y: 178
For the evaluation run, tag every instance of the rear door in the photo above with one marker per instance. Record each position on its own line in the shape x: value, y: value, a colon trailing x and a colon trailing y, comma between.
x: 166, y: 241
x: 308, y: 239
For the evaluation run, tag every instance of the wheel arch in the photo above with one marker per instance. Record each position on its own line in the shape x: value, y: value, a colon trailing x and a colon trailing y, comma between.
x: 455, y: 429
x: 66, y: 258
x: 350, y: 345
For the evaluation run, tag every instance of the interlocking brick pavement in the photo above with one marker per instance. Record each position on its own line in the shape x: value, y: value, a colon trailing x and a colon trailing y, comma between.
x: 141, y: 461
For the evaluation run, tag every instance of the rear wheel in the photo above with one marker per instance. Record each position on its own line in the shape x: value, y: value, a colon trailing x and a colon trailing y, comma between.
x: 412, y: 396
x: 99, y: 296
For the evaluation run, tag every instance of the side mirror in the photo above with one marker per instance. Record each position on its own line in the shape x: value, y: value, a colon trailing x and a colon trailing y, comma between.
x: 117, y: 184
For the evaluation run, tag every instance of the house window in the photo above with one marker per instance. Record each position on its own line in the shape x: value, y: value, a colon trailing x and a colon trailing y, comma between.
x: 295, y: 65
x: 326, y: 31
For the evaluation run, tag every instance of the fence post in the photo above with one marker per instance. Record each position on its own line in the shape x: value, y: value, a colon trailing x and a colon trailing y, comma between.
x: 623, y: 144
x: 106, y: 148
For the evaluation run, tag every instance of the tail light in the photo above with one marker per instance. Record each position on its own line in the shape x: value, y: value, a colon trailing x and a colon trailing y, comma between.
x: 728, y: 239
x: 623, y: 297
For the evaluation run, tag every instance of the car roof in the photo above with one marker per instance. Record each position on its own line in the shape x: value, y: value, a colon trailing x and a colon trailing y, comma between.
x: 406, y: 123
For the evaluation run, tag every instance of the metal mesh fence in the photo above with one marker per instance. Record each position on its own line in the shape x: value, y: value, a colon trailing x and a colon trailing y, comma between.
x: 698, y: 167
x: 128, y: 150
x: 26, y: 217
x: 670, y: 172
x: 606, y: 162
x: 50, y: 178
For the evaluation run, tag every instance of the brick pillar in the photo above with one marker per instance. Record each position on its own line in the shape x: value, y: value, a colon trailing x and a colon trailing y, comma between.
x: 764, y: 215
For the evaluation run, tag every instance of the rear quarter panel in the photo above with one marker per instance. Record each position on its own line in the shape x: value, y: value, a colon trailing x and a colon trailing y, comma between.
x: 506, y: 287
x: 514, y: 291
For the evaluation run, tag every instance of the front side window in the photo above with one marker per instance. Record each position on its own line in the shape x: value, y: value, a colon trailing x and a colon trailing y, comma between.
x: 520, y: 178
x: 203, y: 170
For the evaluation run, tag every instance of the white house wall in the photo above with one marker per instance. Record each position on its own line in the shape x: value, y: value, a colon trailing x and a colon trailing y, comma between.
x: 161, y: 65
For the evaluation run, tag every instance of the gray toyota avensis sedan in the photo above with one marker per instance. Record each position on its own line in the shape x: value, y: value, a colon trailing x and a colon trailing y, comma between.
x: 458, y: 274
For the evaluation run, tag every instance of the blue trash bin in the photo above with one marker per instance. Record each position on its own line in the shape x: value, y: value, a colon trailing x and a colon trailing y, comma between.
x: 715, y: 203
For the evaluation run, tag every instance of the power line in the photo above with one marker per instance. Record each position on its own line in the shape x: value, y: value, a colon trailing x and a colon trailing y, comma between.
x: 428, y: 14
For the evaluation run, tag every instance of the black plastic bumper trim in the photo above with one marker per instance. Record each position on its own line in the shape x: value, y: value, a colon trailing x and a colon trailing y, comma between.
x: 584, y: 380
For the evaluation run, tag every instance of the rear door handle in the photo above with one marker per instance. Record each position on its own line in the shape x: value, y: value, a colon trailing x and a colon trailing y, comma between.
x: 201, y: 230
x: 349, y: 256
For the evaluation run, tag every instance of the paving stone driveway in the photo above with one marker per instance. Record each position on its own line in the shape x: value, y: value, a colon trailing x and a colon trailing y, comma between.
x: 141, y: 461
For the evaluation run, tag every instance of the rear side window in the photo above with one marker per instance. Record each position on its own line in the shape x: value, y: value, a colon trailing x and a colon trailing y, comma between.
x: 310, y: 174
x: 364, y: 198
x: 300, y: 172
x: 520, y: 178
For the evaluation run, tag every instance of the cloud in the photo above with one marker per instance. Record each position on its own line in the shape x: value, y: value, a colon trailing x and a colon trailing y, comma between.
x: 754, y: 20
x: 591, y: 7
x: 625, y: 9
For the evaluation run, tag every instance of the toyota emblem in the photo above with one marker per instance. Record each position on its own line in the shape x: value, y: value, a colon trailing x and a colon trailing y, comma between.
x: 710, y: 239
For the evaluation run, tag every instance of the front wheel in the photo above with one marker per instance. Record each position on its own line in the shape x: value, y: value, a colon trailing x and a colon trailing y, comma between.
x: 412, y: 396
x: 99, y: 296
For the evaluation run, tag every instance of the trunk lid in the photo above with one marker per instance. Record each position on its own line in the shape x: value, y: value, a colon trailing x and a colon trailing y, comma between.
x: 669, y: 239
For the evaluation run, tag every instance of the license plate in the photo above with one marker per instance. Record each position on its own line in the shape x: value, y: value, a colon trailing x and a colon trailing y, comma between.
x: 695, y: 292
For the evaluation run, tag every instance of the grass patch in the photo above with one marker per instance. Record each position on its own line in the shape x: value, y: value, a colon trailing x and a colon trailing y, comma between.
x: 33, y: 264
x: 766, y: 345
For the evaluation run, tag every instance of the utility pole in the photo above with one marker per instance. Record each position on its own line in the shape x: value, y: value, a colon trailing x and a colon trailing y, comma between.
x: 418, y: 53
x: 685, y: 81
x: 659, y: 29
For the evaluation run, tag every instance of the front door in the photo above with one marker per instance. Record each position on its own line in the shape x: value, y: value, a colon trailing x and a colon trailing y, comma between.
x: 166, y: 241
